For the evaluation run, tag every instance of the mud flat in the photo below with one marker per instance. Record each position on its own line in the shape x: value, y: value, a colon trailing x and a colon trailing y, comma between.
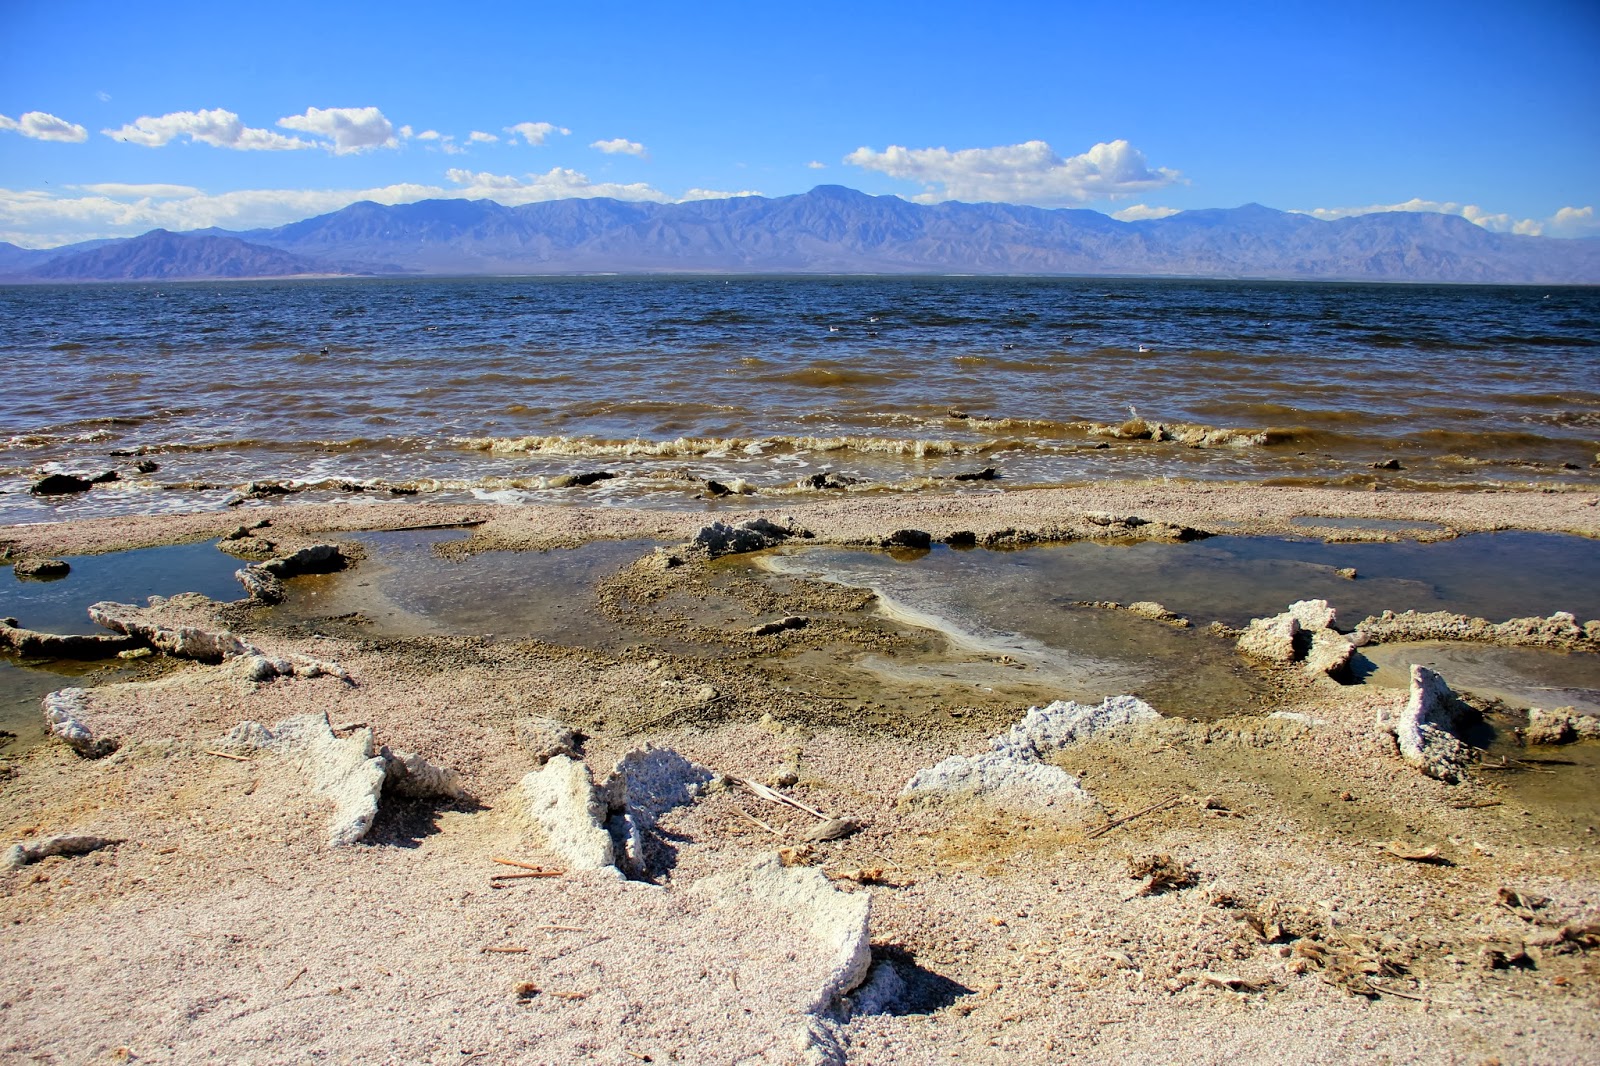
x: 685, y: 830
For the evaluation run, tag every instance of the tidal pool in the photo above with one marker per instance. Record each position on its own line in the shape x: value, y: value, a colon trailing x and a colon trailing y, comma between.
x: 60, y: 605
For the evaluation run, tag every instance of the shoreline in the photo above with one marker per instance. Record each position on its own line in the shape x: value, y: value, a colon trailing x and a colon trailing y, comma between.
x: 999, y: 930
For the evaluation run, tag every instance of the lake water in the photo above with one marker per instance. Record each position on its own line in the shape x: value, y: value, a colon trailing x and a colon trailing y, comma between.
x: 491, y: 388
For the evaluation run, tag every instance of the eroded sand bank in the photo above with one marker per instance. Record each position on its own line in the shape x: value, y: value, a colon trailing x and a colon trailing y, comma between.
x: 1290, y: 923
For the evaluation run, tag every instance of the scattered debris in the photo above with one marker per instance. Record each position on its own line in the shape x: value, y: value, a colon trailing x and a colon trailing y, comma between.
x: 246, y: 660
x: 832, y: 829
x: 1411, y: 853
x: 767, y: 629
x: 1232, y: 982
x: 30, y: 851
x: 1153, y: 808
x: 1161, y: 873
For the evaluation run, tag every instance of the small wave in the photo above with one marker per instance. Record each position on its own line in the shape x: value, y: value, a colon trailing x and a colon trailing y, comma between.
x: 1184, y: 433
x: 717, y: 446
x: 832, y: 376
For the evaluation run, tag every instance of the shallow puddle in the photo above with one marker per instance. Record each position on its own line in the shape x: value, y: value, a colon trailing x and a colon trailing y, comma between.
x: 404, y: 588
x: 23, y: 683
x: 61, y: 605
x: 1234, y: 579
x: 990, y: 630
x: 1519, y: 677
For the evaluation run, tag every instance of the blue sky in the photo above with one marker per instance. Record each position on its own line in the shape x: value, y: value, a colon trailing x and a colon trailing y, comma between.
x: 117, y: 118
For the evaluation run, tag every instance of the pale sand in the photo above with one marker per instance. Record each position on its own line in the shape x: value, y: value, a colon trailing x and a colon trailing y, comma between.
x: 222, y: 928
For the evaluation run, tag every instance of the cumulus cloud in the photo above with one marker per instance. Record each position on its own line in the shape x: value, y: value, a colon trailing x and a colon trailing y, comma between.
x: 535, y: 133
x: 42, y: 126
x: 121, y: 190
x: 713, y: 194
x: 1142, y: 213
x: 350, y: 129
x: 1575, y: 222
x: 814, y: 165
x: 216, y: 127
x: 35, y: 219
x: 559, y: 183
x: 1028, y: 173
x: 620, y: 146
x: 480, y: 137
x: 1567, y: 222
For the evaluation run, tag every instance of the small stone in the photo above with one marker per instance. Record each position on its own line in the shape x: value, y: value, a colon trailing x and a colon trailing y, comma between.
x: 908, y: 538
x: 1346, y: 572
x: 45, y: 569
x: 59, y: 485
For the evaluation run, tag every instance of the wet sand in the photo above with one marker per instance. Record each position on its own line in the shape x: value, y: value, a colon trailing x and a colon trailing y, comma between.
x: 1014, y: 934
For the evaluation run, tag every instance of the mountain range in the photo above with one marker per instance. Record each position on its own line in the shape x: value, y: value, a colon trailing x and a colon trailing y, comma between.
x: 829, y: 230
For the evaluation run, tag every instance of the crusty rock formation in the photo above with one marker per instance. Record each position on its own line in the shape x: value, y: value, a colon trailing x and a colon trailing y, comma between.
x: 1426, y: 729
x: 347, y: 770
x: 64, y: 710
x: 1304, y: 633
x: 835, y: 921
x: 1014, y: 768
x: 1560, y: 630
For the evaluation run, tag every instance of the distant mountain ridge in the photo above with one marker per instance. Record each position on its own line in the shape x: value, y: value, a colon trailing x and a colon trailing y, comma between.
x: 830, y: 229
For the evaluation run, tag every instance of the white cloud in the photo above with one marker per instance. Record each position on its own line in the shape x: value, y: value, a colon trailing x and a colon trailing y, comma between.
x: 814, y: 165
x: 1142, y: 213
x: 351, y: 129
x: 480, y: 137
x: 535, y: 132
x: 42, y: 126
x: 36, y: 219
x: 120, y: 190
x: 103, y: 96
x: 713, y: 194
x: 1575, y: 222
x: 1567, y: 222
x: 216, y: 127
x: 1029, y: 173
x: 559, y: 183
x: 620, y: 146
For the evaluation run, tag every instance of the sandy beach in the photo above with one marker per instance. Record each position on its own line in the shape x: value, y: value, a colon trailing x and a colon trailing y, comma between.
x: 1277, y: 884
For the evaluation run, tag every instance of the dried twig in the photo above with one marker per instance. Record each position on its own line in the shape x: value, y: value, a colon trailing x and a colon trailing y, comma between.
x: 1163, y: 805
x: 756, y: 821
x: 227, y: 755
x: 517, y: 862
x: 518, y: 877
x: 772, y: 795
x: 290, y: 983
x: 562, y: 928
x: 507, y: 949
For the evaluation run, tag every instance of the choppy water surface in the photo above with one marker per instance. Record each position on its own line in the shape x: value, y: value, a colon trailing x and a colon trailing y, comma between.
x: 489, y: 387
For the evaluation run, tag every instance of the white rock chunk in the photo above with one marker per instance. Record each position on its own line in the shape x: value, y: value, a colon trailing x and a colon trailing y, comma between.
x: 347, y: 770
x: 562, y: 797
x: 835, y: 922
x: 1425, y: 730
x: 64, y: 711
x: 1014, y: 769
x: 29, y: 851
